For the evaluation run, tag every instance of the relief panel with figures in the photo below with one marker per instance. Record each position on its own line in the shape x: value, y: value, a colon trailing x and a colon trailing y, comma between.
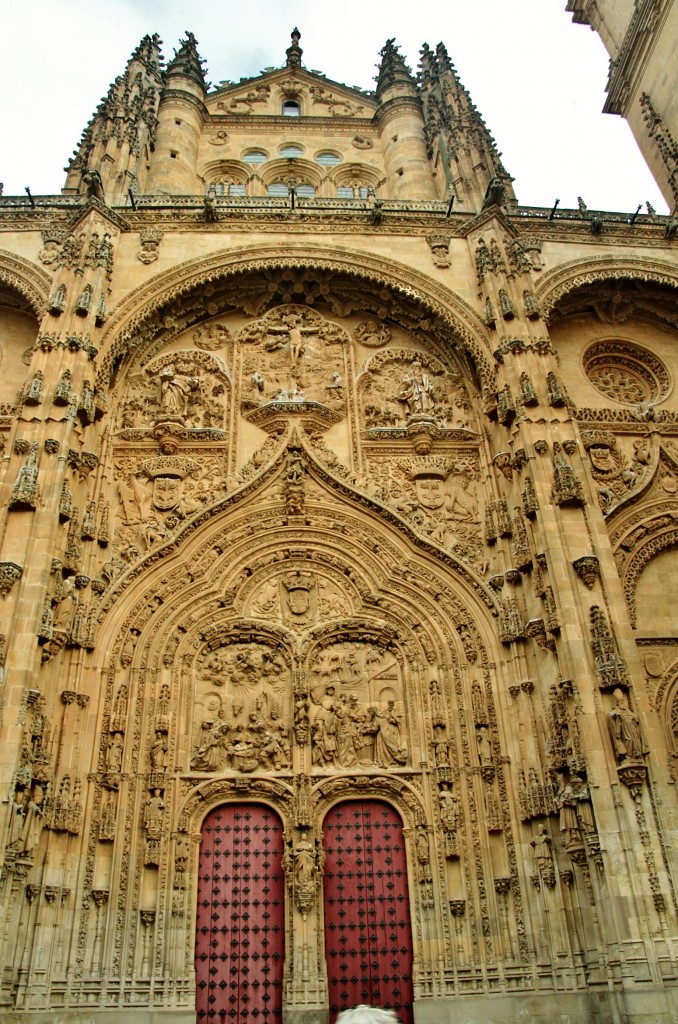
x: 242, y: 709
x: 188, y: 387
x: 356, y: 707
x: 292, y: 353
x: 438, y: 495
x: 397, y: 385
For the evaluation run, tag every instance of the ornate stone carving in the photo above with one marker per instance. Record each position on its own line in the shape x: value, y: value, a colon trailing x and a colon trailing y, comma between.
x: 567, y: 488
x: 587, y: 569
x: 150, y: 239
x: 357, y: 711
x: 24, y: 494
x: 626, y: 373
x: 440, y: 250
x: 627, y: 740
x: 609, y: 663
x: 10, y: 573
x: 400, y: 386
x: 543, y: 856
x: 246, y: 724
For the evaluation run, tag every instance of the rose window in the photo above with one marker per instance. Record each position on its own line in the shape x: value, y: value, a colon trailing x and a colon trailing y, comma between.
x: 626, y: 373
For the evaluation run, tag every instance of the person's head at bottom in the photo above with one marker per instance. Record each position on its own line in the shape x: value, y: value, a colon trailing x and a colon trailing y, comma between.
x: 367, y: 1015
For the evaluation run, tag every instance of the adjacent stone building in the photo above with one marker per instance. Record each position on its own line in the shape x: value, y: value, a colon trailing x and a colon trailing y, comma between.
x: 640, y: 37
x: 339, y: 550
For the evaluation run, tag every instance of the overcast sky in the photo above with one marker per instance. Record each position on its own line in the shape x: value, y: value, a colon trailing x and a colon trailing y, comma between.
x: 537, y: 79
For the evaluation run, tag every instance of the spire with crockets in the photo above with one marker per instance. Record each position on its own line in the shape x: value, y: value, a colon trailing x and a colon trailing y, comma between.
x: 457, y: 135
x: 123, y: 127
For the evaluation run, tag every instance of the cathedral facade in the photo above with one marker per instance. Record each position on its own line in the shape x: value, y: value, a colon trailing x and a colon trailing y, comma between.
x: 339, y: 545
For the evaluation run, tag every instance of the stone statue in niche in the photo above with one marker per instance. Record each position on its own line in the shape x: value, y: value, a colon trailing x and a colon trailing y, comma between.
x: 401, y: 386
x: 542, y: 845
x: 357, y: 712
x: 292, y: 354
x: 188, y: 388
x: 114, y: 751
x: 243, y: 725
x: 416, y: 392
x: 175, y: 391
x: 577, y: 822
x: 625, y: 730
x: 158, y: 752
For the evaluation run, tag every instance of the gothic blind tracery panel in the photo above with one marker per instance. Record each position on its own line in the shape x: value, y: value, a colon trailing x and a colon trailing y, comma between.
x: 240, y: 921
x: 368, y: 937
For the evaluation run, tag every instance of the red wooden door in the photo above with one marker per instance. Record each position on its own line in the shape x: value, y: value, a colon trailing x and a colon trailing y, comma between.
x: 368, y: 936
x: 240, y: 923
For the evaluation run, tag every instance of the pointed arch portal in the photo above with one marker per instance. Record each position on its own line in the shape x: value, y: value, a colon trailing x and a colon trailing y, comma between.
x: 368, y: 935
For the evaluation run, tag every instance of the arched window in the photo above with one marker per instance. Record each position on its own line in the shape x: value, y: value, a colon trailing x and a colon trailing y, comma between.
x: 291, y: 108
x: 255, y: 156
x: 328, y: 159
x: 291, y: 152
x: 353, y: 192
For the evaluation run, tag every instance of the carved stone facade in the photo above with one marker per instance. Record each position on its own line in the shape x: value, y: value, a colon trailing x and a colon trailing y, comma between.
x: 342, y: 518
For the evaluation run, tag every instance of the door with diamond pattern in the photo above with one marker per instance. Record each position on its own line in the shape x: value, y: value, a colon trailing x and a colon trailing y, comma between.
x: 368, y: 935
x: 240, y: 920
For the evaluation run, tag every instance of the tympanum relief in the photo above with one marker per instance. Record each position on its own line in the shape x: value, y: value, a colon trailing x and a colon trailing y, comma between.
x: 292, y: 355
x: 214, y: 407
x: 252, y: 708
x: 242, y: 713
x: 357, y: 709
x: 188, y: 388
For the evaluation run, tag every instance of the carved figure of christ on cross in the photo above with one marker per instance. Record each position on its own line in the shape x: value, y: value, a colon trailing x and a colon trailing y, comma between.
x: 291, y: 327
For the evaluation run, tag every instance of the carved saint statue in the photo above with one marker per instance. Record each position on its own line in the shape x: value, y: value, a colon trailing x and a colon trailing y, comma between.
x: 153, y: 812
x: 543, y: 854
x: 158, y: 751
x: 114, y: 753
x: 417, y: 391
x: 32, y: 822
x: 174, y: 391
x: 625, y: 730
